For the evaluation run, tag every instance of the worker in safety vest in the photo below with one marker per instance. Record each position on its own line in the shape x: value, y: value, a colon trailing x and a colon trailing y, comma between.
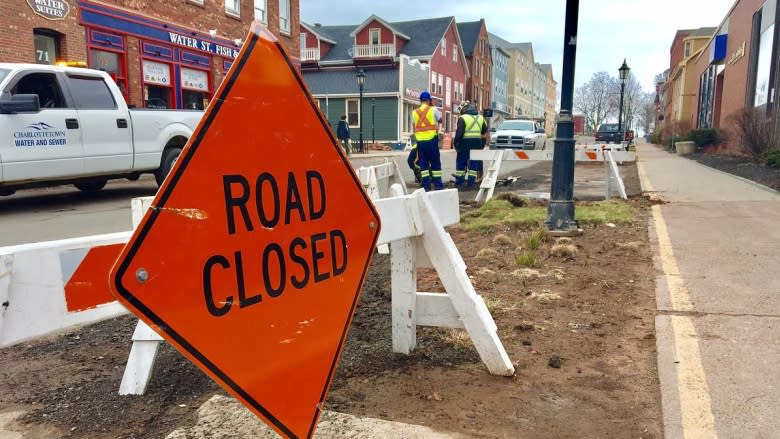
x: 426, y: 131
x: 470, y: 134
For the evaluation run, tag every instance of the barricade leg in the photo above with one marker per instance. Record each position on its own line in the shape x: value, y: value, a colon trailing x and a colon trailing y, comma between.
x: 140, y: 362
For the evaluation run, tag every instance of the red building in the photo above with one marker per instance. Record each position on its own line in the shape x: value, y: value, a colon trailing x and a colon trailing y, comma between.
x: 376, y: 46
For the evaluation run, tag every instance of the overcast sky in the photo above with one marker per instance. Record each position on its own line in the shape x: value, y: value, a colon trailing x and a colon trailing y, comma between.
x: 639, y: 30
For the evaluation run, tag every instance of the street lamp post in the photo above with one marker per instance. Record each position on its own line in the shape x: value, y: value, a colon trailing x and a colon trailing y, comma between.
x: 623, y: 70
x: 373, y: 131
x: 560, y: 213
x: 361, y: 79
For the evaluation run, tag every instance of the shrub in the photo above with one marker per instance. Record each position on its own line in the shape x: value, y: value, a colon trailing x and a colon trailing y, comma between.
x: 756, y: 132
x: 526, y: 259
x: 706, y: 137
x: 773, y: 159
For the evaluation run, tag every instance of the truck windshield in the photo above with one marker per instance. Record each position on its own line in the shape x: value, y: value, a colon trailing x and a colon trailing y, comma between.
x: 3, y: 74
x: 611, y: 128
x: 519, y: 125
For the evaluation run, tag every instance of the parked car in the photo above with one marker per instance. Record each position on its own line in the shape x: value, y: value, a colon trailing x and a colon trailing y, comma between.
x: 608, y: 132
x: 518, y: 134
x: 70, y: 125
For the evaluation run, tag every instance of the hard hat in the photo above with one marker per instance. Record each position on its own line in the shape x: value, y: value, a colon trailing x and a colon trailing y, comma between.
x: 463, y: 106
x: 425, y: 96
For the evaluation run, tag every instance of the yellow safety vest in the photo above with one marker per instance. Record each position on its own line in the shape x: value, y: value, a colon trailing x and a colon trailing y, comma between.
x: 424, y: 123
x: 474, y: 126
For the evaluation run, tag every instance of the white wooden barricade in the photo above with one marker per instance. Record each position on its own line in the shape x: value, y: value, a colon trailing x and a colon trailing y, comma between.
x: 32, y: 287
x: 146, y: 342
x: 496, y: 158
x: 413, y: 225
x: 613, y: 176
x: 377, y: 180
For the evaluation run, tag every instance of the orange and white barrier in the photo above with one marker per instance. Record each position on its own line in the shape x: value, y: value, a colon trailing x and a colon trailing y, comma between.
x: 495, y: 158
x: 51, y: 286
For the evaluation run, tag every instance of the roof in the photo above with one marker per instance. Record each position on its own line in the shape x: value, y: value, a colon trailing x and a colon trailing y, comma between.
x: 704, y: 32
x: 546, y: 68
x: 343, y: 81
x: 506, y: 45
x: 384, y: 23
x: 469, y: 34
x: 316, y: 31
x: 424, y: 37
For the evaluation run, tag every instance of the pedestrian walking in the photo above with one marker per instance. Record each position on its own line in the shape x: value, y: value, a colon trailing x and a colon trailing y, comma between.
x: 470, y: 134
x: 342, y: 133
x: 426, y: 130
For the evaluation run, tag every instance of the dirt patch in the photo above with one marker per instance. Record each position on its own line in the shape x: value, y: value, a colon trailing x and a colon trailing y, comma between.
x: 740, y: 167
x: 579, y: 328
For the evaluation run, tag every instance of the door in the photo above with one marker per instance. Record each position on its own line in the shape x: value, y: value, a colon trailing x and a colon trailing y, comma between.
x: 105, y: 126
x: 43, y: 145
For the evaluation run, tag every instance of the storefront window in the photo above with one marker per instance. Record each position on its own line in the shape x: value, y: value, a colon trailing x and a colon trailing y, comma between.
x: 158, y: 91
x: 764, y: 66
x: 195, y: 89
x: 113, y: 64
x: 45, y: 47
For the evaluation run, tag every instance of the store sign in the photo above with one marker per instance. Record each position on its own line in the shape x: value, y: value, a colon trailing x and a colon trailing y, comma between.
x: 411, y: 93
x: 205, y: 46
x: 157, y: 73
x: 50, y: 9
x: 194, y: 80
x: 738, y: 54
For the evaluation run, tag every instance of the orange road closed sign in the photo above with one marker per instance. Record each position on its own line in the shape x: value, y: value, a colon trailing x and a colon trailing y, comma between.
x: 253, y: 255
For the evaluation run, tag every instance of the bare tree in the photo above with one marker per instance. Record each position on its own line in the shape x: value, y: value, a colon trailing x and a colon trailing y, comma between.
x: 646, y: 116
x: 594, y: 100
x: 632, y: 101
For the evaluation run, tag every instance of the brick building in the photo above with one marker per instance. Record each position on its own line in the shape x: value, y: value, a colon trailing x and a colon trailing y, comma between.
x: 474, y: 36
x: 170, y: 54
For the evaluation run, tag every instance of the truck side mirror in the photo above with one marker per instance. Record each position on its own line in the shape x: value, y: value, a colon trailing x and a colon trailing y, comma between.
x: 23, y: 103
x: 540, y: 131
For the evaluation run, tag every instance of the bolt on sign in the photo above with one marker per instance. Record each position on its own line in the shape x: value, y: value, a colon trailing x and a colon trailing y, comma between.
x: 253, y: 254
x: 50, y: 9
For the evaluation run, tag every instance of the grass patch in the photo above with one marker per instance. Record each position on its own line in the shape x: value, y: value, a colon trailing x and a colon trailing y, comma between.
x: 456, y: 337
x: 527, y: 274
x: 499, y: 212
x: 564, y: 250
x: 633, y: 245
x: 536, y: 238
x: 502, y: 240
x: 600, y: 212
x: 526, y: 259
x: 496, y: 304
x: 545, y: 297
x: 487, y: 253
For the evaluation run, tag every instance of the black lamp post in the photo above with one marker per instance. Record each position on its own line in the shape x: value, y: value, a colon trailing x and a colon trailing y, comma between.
x: 623, y: 70
x: 361, y: 79
x: 373, y: 131
x: 560, y: 212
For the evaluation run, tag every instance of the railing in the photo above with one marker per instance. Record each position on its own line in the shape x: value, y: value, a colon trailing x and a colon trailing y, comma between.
x: 373, y: 50
x: 310, y: 54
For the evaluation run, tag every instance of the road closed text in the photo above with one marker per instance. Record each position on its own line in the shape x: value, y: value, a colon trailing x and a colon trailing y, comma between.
x: 276, y: 206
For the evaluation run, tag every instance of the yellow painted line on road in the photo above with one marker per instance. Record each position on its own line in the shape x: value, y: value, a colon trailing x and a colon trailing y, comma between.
x: 697, y: 420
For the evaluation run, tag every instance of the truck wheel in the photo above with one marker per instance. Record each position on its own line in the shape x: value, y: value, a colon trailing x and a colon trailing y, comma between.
x: 91, y: 186
x: 168, y: 159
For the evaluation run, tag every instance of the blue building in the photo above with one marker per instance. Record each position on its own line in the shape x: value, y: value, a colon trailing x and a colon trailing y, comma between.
x: 500, y: 79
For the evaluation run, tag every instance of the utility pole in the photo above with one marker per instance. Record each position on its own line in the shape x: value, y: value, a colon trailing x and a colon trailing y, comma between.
x: 560, y: 213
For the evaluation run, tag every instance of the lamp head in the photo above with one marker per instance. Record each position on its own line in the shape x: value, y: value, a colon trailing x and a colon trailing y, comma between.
x: 624, y: 70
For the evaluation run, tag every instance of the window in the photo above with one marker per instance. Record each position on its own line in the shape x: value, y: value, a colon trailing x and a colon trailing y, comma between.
x: 353, y: 112
x: 197, y: 2
x: 233, y: 7
x: 455, y: 53
x: 44, y: 85
x: 91, y: 93
x: 444, y: 46
x: 447, y: 121
x: 194, y: 89
x: 261, y: 7
x: 688, y: 49
x: 284, y: 16
x: 448, y: 92
x: 158, y: 90
x: 441, y: 84
x: 112, y: 63
x: 763, y: 92
x: 374, y: 35
x: 3, y: 74
x: 47, y: 45
x: 433, y: 82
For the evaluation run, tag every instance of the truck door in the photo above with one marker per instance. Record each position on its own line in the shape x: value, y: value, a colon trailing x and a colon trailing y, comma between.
x: 106, y: 132
x: 43, y: 145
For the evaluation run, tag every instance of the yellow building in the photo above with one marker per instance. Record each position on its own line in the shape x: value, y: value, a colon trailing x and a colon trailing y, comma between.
x: 683, y: 81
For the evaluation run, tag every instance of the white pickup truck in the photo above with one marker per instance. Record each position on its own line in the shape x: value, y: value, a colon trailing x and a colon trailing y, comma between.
x: 70, y: 125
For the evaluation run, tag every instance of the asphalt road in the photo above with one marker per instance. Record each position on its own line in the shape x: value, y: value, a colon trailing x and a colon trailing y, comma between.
x: 65, y: 212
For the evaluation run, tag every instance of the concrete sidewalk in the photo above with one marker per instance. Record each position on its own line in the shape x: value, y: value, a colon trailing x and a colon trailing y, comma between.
x: 718, y: 295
